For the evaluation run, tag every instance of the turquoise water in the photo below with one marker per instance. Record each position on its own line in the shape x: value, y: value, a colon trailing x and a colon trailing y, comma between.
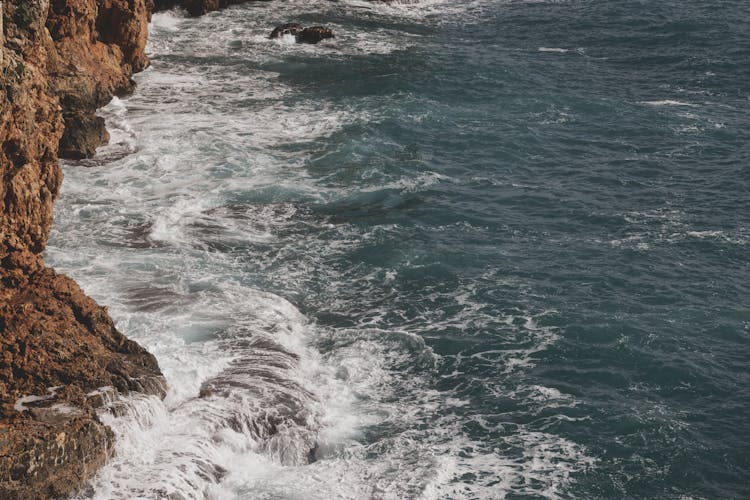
x: 502, y: 247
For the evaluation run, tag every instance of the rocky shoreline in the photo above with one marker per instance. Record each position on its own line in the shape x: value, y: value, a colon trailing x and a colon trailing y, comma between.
x: 61, y: 356
x: 60, y: 353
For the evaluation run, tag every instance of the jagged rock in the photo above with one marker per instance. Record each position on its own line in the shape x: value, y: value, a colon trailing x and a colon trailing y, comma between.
x: 84, y: 132
x: 31, y: 454
x: 51, y: 334
x: 313, y: 34
x: 54, y: 335
x: 200, y: 7
x: 61, y: 61
x: 98, y: 45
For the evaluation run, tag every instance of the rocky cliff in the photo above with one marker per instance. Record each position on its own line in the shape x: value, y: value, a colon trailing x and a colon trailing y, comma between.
x: 60, y: 353
x: 59, y: 350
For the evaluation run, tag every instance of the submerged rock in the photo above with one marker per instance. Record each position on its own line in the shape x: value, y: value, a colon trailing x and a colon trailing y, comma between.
x: 313, y: 34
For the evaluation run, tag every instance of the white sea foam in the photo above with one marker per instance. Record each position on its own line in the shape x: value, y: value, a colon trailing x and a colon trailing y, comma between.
x: 20, y: 404
x: 411, y: 184
x: 205, y: 215
x: 667, y: 102
x: 202, y: 438
x: 168, y: 20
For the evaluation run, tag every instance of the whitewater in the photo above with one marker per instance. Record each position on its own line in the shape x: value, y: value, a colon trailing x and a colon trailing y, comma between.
x: 463, y: 250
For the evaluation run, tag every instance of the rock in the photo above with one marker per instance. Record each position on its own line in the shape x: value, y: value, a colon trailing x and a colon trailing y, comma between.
x: 60, y: 353
x: 313, y: 34
x: 286, y: 29
x: 98, y: 45
x: 56, y: 336
x: 199, y: 7
x: 31, y: 454
x: 84, y: 132
x: 64, y: 59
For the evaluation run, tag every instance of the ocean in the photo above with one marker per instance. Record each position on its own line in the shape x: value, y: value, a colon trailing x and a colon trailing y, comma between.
x: 479, y: 249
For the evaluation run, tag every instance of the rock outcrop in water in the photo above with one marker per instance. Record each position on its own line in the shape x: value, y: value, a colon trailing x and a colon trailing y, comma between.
x: 313, y: 34
x: 59, y: 61
x: 60, y: 354
x: 286, y: 29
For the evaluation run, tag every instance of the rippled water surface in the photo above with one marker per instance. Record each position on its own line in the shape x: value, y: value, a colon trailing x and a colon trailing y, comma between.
x: 464, y: 250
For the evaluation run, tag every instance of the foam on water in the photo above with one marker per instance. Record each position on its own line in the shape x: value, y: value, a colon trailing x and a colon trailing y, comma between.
x: 218, y: 247
x: 667, y: 102
x: 251, y: 390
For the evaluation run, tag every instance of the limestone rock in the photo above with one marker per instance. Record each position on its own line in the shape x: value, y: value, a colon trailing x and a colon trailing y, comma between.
x: 61, y: 60
x: 84, y: 132
x: 31, y: 454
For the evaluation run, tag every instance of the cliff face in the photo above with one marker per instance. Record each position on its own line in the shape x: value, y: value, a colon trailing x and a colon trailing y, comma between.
x: 60, y: 353
x: 59, y: 61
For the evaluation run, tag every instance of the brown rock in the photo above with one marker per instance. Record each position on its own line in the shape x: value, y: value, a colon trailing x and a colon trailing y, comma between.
x: 31, y: 454
x: 54, y: 335
x: 62, y: 59
x: 84, y: 132
x: 51, y: 334
x: 98, y: 45
x: 314, y: 34
x: 200, y: 7
x: 301, y: 34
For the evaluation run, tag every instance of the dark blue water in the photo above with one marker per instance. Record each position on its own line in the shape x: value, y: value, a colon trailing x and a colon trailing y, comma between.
x: 516, y: 233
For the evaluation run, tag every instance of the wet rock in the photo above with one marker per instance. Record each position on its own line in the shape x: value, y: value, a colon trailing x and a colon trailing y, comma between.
x: 200, y: 7
x: 313, y: 34
x: 286, y: 29
x: 84, y: 132
x: 47, y: 460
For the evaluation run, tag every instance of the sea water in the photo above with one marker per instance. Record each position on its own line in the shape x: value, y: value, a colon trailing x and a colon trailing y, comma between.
x: 466, y: 249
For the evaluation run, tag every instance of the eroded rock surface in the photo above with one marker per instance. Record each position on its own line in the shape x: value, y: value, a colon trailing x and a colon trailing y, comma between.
x: 59, y: 61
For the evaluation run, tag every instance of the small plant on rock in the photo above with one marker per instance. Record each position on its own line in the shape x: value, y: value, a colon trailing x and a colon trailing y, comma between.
x: 24, y: 14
